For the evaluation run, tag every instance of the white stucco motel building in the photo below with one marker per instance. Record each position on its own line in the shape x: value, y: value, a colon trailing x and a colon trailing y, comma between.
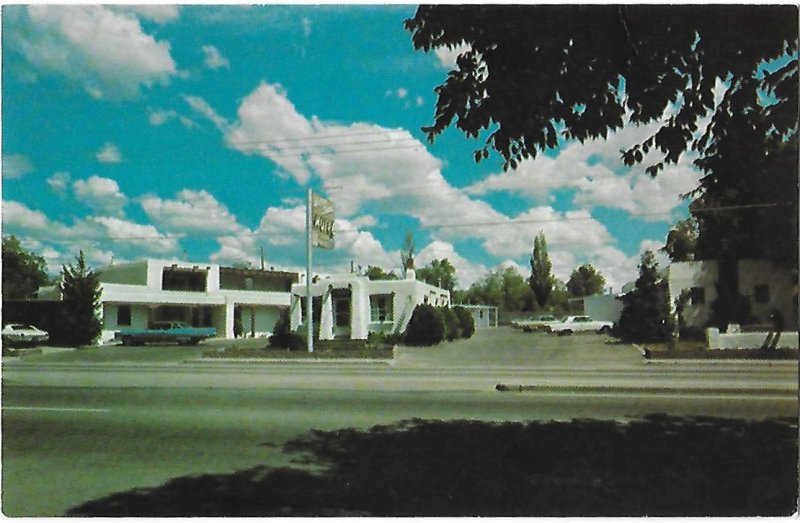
x: 204, y: 295
x: 352, y: 306
x: 767, y: 286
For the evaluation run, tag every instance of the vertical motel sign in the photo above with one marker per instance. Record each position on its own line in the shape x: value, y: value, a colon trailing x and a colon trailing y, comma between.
x: 322, y: 222
x: 319, y: 233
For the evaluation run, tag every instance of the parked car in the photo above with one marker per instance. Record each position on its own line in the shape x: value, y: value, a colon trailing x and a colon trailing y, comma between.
x: 534, y: 323
x: 165, y: 332
x: 571, y: 324
x: 22, y: 334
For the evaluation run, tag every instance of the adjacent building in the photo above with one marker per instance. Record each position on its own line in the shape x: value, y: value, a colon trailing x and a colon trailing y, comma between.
x: 235, y: 301
x: 352, y: 306
x: 768, y: 287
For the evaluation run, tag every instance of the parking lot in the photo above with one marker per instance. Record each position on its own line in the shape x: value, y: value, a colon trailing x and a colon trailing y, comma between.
x: 507, y: 347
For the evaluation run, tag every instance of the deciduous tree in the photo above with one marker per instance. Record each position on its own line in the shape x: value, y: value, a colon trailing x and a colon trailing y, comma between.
x: 374, y: 272
x: 530, y: 73
x: 585, y: 281
x: 23, y: 271
x: 681, y: 241
x: 440, y: 273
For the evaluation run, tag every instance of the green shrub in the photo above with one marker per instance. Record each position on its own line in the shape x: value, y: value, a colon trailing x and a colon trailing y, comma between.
x: 451, y: 323
x: 382, y: 339
x: 283, y: 337
x: 426, y: 326
x: 466, y: 321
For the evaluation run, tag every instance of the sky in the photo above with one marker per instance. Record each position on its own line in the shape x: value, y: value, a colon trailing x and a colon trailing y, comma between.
x: 193, y: 133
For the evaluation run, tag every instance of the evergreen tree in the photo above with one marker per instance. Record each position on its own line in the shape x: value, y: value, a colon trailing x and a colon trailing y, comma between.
x: 542, y: 280
x: 80, y: 290
x: 646, y: 314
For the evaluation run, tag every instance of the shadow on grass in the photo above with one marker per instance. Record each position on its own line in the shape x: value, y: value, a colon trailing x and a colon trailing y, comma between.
x: 659, y: 465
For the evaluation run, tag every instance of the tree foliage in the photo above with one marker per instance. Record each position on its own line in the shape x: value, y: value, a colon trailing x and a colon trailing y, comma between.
x: 646, y: 312
x: 23, y: 271
x: 440, y: 273
x: 542, y: 280
x: 585, y: 281
x: 374, y: 272
x: 720, y: 81
x: 682, y: 241
x: 407, y: 254
x: 504, y: 288
x: 586, y: 69
x: 80, y: 291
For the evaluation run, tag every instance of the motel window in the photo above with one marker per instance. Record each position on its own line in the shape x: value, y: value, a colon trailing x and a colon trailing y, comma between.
x: 380, y: 308
x: 761, y: 293
x: 124, y: 316
x: 697, y: 295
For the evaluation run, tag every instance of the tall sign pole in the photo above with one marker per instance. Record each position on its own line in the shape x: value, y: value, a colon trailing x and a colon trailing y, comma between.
x: 309, y: 316
x: 320, y: 222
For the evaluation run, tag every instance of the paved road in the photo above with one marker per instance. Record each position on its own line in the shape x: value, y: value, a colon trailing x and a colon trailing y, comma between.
x: 74, y: 432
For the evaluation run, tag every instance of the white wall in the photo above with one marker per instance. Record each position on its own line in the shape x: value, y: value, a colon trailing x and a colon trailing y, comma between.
x: 684, y: 276
x: 748, y: 340
x: 603, y: 307
x: 407, y: 295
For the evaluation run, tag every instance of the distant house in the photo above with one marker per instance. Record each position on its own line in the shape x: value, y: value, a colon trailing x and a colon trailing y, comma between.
x: 602, y: 307
x: 235, y: 301
x: 352, y: 306
x: 484, y: 316
x: 768, y: 287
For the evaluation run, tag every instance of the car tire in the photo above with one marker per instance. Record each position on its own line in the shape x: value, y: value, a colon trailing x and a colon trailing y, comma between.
x: 566, y: 332
x: 605, y: 330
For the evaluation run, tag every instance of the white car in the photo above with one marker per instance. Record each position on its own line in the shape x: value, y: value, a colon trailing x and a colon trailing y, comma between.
x: 534, y: 323
x: 19, y: 333
x: 571, y: 324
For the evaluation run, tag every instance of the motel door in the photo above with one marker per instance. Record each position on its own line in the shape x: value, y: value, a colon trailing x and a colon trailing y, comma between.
x: 341, y: 313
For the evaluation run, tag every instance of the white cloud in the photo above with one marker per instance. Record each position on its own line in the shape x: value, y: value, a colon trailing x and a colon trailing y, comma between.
x: 160, y: 14
x: 103, y: 49
x: 158, y: 117
x: 16, y: 166
x: 202, y: 107
x: 447, y: 57
x: 594, y: 170
x: 214, y: 59
x: 144, y: 237
x: 18, y: 216
x: 59, y: 183
x: 191, y: 211
x: 100, y: 194
x: 109, y: 154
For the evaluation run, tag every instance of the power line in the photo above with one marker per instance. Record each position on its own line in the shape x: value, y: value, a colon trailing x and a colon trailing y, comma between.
x: 505, y: 223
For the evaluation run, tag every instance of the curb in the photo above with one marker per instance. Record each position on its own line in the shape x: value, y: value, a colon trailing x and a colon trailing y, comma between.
x: 285, y: 361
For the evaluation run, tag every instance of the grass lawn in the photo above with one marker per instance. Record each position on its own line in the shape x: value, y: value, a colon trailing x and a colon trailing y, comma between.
x: 114, y: 353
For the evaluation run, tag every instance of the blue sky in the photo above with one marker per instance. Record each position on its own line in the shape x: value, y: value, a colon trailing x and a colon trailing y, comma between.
x: 194, y: 131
